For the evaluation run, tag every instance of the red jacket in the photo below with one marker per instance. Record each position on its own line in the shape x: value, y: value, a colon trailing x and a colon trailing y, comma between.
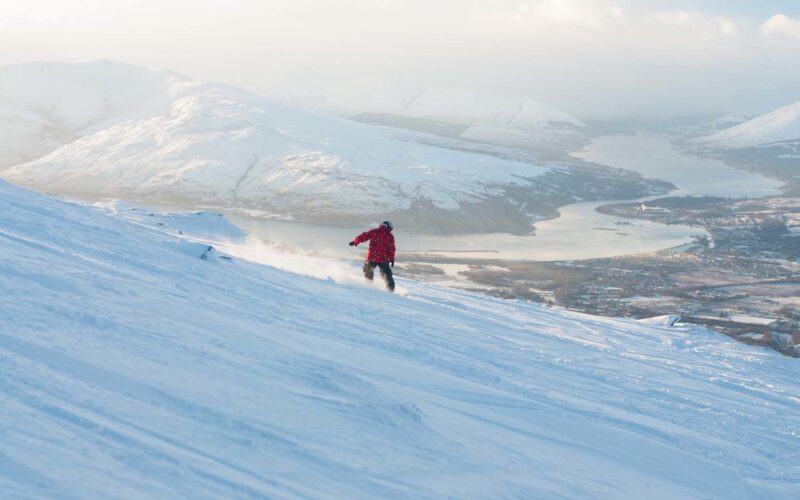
x: 381, y: 244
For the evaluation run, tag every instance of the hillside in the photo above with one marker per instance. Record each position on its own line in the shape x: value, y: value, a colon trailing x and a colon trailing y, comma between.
x: 134, y: 368
x: 778, y: 126
x: 111, y: 130
x: 148, y: 135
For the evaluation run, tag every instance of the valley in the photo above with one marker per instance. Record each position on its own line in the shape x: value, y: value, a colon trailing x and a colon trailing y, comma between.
x: 738, y: 274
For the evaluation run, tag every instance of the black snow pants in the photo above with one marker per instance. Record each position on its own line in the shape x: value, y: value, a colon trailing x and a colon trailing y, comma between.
x: 386, y: 272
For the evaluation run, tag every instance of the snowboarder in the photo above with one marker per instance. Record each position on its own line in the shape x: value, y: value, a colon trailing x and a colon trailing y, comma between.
x: 380, y: 253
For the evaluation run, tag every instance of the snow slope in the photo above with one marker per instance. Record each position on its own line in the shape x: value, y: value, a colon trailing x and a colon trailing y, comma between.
x: 780, y: 125
x: 132, y: 368
x: 209, y: 144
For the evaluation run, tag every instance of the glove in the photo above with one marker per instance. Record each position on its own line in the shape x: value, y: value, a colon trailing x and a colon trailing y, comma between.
x: 352, y: 243
x: 391, y: 263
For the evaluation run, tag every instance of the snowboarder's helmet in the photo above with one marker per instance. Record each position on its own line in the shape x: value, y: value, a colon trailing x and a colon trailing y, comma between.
x: 387, y: 224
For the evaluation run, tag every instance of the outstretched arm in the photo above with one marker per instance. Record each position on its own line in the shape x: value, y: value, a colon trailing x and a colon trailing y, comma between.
x: 361, y: 238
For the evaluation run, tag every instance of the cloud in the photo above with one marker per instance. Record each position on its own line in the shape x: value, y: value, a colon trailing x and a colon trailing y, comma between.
x: 698, y: 22
x: 592, y: 58
x: 781, y: 25
x: 592, y: 14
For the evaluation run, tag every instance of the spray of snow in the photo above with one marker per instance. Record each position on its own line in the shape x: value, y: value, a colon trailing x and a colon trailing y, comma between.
x: 341, y: 271
x: 210, y: 228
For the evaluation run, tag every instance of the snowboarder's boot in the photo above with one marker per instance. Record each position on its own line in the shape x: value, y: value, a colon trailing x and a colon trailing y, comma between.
x: 386, y: 273
x: 369, y: 271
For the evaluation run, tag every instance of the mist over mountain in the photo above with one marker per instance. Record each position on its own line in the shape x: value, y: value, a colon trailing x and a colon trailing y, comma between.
x: 45, y: 105
x: 448, y: 105
x: 470, y: 115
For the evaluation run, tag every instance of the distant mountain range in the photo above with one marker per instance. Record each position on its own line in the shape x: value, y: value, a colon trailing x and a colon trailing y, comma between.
x: 474, y: 115
x: 446, y: 105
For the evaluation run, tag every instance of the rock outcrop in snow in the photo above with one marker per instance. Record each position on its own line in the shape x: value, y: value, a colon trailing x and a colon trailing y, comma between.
x: 778, y: 126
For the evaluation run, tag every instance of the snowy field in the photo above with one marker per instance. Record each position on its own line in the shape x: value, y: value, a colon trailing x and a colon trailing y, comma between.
x: 132, y: 368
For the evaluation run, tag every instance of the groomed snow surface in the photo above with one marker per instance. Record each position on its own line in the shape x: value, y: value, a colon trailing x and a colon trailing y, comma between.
x: 132, y: 368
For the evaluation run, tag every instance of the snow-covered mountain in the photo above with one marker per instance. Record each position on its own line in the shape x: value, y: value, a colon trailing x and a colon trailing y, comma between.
x: 139, y: 365
x: 499, y: 120
x: 483, y: 117
x: 778, y: 126
x: 166, y: 138
x: 119, y: 131
x: 483, y: 110
x: 456, y: 106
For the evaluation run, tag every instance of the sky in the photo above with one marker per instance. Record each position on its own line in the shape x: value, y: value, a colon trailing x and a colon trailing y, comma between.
x: 596, y: 59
